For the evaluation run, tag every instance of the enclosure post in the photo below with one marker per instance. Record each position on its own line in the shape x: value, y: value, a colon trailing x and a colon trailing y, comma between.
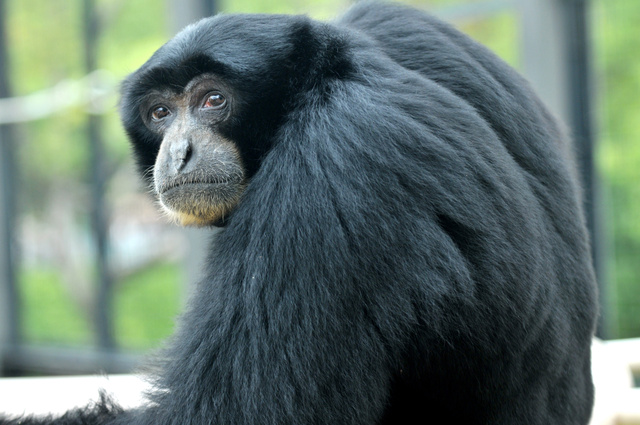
x: 579, y: 91
x: 104, y: 299
x: 185, y: 12
x: 542, y: 49
x: 556, y: 60
x: 9, y: 324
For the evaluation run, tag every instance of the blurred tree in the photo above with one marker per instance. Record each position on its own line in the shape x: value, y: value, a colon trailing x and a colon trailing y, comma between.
x: 618, y: 66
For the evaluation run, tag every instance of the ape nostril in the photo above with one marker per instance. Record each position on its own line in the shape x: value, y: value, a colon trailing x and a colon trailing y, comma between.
x: 187, y: 155
x: 180, y: 152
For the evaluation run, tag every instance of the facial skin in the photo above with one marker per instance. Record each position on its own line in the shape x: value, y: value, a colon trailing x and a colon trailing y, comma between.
x: 198, y: 175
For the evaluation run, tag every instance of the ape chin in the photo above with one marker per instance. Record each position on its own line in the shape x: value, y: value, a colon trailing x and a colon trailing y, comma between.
x: 403, y: 238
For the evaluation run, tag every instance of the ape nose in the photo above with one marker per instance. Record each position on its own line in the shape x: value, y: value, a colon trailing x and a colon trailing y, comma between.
x: 180, y: 152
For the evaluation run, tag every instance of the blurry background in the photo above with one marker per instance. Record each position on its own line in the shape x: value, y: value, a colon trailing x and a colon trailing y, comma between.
x: 92, y: 277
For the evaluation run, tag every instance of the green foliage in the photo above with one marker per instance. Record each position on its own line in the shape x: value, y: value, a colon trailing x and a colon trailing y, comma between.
x: 48, y: 314
x: 618, y: 76
x: 145, y: 306
x: 499, y: 33
x: 45, y: 38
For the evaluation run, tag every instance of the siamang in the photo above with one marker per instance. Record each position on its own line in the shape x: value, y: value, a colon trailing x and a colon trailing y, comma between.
x: 401, y: 240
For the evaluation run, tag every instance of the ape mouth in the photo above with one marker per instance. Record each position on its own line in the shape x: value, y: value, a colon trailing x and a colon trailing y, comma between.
x: 193, y: 202
x: 190, y: 183
x: 190, y: 196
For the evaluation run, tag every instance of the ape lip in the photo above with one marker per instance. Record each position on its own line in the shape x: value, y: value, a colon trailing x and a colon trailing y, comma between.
x: 215, y: 182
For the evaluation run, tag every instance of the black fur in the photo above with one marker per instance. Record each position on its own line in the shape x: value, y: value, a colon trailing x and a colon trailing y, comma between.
x: 410, y: 246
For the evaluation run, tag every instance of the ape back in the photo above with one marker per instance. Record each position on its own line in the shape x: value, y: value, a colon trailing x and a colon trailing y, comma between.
x: 401, y: 232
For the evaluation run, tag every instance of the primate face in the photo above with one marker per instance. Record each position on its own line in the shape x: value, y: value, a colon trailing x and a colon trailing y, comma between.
x: 198, y: 174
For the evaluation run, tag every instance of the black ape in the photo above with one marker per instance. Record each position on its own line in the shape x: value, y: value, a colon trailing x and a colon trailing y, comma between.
x: 403, y: 239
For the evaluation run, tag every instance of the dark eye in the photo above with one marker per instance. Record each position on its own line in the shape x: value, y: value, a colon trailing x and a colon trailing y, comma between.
x: 214, y: 100
x: 160, y: 112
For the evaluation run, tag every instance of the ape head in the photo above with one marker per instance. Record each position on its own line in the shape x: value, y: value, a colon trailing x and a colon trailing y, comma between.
x: 198, y: 175
x: 201, y: 120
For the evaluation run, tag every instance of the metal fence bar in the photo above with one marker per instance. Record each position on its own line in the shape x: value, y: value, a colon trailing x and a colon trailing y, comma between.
x: 556, y: 59
x: 209, y: 7
x: 9, y: 318
x: 577, y: 54
x: 56, y: 360
x: 542, y: 57
x: 89, y: 92
x: 103, y: 300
